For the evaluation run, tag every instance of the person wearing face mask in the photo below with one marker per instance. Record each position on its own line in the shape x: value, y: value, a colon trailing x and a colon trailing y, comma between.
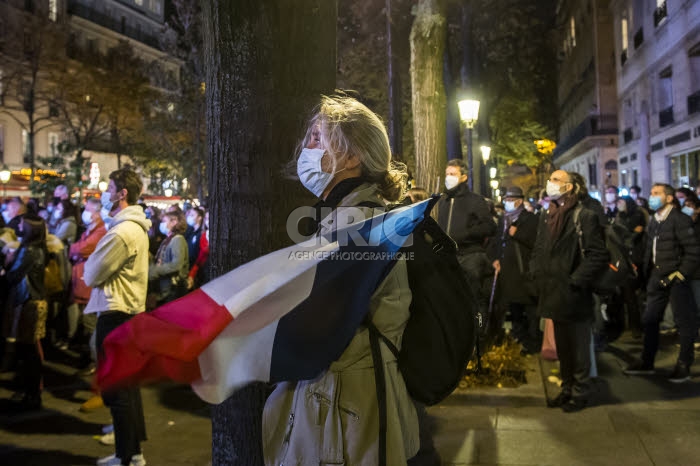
x: 673, y: 256
x: 346, y: 162
x: 610, y: 206
x: 13, y: 214
x: 510, y: 252
x: 66, y: 228
x: 195, y: 217
x: 632, y: 224
x: 198, y: 274
x: 466, y: 217
x: 78, y: 254
x: 564, y: 269
x: 168, y: 272
x: 117, y: 271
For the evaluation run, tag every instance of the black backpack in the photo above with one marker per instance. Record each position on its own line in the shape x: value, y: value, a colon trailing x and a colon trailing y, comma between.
x: 439, y: 337
x: 620, y: 268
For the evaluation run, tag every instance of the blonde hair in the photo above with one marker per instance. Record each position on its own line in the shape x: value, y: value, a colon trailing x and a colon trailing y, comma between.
x: 348, y: 127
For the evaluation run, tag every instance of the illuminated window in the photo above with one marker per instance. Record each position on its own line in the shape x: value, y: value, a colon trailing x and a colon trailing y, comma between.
x: 139, y: 2
x: 53, y: 144
x: 624, y: 33
x: 572, y: 32
x: 25, y: 146
x: 53, y: 10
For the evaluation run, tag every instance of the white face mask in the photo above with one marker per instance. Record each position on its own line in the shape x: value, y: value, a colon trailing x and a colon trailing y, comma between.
x: 509, y: 206
x: 610, y: 197
x: 191, y: 221
x: 310, y: 172
x: 164, y: 228
x: 87, y: 217
x: 634, y: 196
x: 106, y: 201
x: 553, y: 190
x: 451, y: 181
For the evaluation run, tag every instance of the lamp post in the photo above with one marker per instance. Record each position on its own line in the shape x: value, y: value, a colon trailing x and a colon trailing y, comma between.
x: 485, y: 154
x: 469, y: 114
x: 5, y: 175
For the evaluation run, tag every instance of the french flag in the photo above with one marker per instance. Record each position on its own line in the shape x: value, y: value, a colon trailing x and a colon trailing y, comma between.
x: 285, y: 316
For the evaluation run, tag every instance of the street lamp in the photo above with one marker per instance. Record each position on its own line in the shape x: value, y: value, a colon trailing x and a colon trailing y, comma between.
x: 102, y: 186
x: 492, y: 172
x: 5, y: 175
x: 469, y: 113
x: 494, y: 186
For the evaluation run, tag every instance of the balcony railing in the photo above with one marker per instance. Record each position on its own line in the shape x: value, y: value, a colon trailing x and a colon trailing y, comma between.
x: 639, y: 38
x: 623, y: 57
x: 694, y: 103
x: 627, y: 135
x: 666, y: 116
x: 98, y: 17
x: 660, y: 13
x: 602, y: 125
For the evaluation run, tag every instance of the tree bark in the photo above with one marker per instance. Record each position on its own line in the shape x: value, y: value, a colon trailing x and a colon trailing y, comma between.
x: 428, y: 93
x: 267, y: 64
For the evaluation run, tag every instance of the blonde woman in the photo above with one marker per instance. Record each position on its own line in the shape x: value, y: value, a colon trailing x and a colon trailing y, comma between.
x: 334, y: 419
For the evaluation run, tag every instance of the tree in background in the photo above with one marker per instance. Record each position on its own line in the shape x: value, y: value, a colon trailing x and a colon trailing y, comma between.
x: 429, y: 105
x: 32, y: 45
x: 267, y: 63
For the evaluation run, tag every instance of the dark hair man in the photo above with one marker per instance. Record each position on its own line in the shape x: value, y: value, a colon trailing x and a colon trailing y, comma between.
x: 117, y: 271
x: 466, y: 217
x: 564, y: 275
x: 672, y: 254
x: 195, y: 218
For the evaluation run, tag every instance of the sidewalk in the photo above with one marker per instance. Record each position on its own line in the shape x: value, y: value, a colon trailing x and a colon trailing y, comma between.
x: 635, y: 421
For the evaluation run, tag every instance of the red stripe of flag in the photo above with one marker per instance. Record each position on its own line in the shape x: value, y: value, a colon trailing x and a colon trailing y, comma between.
x: 163, y: 344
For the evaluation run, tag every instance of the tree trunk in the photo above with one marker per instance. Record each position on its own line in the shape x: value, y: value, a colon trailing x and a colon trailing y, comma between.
x: 395, y: 118
x: 267, y: 64
x: 428, y: 92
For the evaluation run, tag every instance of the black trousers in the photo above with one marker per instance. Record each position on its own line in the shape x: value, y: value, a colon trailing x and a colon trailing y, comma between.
x: 573, y: 348
x: 684, y: 313
x: 125, y: 403
x: 30, y: 368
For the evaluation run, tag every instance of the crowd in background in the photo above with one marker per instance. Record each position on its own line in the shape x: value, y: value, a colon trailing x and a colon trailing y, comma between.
x: 44, y: 248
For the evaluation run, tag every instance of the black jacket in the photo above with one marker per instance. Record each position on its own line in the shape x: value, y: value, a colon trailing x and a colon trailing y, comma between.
x: 471, y: 222
x: 506, y: 249
x: 25, y: 276
x: 563, y: 276
x: 677, y: 247
x: 192, y: 236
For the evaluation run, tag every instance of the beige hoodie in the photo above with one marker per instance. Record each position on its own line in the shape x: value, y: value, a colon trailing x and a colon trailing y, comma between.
x: 118, y: 269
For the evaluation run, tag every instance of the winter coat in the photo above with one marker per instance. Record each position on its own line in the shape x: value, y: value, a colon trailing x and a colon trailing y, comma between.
x: 79, y: 253
x: 471, y: 222
x: 677, y: 247
x: 334, y: 419
x: 193, y: 236
x: 25, y: 276
x: 170, y: 267
x: 563, y: 277
x: 117, y: 270
x: 513, y: 277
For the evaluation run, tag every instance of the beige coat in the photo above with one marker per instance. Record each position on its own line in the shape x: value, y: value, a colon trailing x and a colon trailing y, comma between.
x: 334, y: 419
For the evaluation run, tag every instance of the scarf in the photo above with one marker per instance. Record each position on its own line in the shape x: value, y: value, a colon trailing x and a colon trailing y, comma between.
x: 557, y: 213
x: 512, y: 217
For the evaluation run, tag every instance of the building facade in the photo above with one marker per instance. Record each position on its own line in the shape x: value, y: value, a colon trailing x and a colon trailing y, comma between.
x: 587, y: 93
x: 657, y: 50
x: 92, y: 27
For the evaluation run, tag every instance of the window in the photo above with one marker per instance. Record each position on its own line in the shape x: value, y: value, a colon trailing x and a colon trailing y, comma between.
x: 157, y: 6
x: 53, y: 10
x: 665, y: 97
x: 660, y: 12
x: 139, y: 2
x: 592, y: 174
x: 635, y: 177
x: 572, y: 32
x: 694, y: 72
x: 26, y: 142
x: 623, y: 33
x: 53, y: 144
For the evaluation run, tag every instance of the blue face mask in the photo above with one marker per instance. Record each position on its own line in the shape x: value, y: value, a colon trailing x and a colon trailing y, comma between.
x: 681, y: 200
x: 310, y: 172
x: 689, y: 211
x: 655, y: 202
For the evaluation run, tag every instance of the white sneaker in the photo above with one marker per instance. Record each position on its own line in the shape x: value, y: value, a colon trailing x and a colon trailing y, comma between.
x: 110, y: 460
x: 138, y: 460
x: 107, y: 439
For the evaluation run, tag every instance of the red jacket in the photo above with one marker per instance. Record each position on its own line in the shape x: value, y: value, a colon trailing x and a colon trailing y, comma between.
x: 201, y: 257
x: 79, y: 252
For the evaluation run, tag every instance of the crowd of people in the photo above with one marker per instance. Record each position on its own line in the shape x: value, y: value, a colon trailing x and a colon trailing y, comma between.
x: 73, y: 271
x: 547, y: 255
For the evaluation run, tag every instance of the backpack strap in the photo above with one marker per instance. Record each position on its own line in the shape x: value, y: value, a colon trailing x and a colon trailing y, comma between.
x: 375, y: 336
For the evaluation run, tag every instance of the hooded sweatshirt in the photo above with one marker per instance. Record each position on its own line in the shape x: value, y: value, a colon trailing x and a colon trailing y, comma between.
x: 117, y: 270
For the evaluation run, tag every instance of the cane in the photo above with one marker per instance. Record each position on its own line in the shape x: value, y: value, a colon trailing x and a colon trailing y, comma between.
x: 485, y: 322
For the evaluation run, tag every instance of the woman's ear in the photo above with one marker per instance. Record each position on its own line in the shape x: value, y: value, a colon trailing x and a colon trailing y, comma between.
x: 353, y: 161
